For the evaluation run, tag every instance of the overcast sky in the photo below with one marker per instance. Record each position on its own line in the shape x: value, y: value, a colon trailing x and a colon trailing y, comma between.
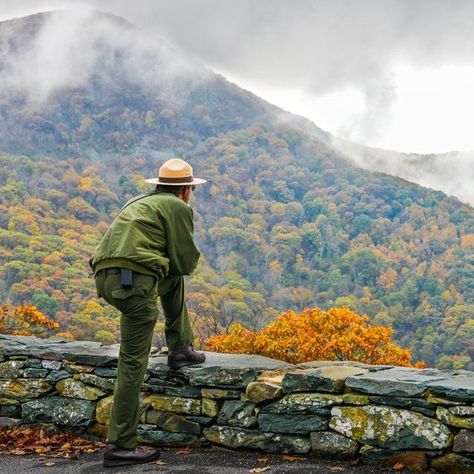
x: 394, y: 74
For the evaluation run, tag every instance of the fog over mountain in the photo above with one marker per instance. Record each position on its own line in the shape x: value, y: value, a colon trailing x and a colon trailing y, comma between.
x: 71, y: 46
x: 452, y: 173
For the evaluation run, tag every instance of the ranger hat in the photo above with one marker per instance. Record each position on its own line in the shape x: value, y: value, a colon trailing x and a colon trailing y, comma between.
x: 176, y: 172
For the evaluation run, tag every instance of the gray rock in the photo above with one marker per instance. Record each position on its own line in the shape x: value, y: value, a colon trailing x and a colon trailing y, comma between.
x: 258, y: 392
x: 446, y: 417
x: 332, y: 445
x: 10, y: 408
x: 33, y: 364
x: 457, y: 387
x: 75, y: 389
x: 24, y: 388
x: 220, y: 393
x: 6, y: 422
x: 464, y: 442
x: 390, y: 428
x: 330, y: 379
x: 292, y: 424
x: 59, y: 410
x: 189, y: 406
x: 92, y: 379
x: 11, y: 369
x: 172, y: 422
x: 183, y: 391
x: 453, y: 463
x: 202, y: 420
x: 462, y: 411
x: 234, y: 371
x: 419, y: 405
x: 51, y: 364
x: 149, y: 434
x: 315, y: 403
x: 80, y: 352
x: 57, y: 375
x: 402, y: 402
x: 396, y: 382
x: 342, y: 363
x: 237, y: 413
x: 105, y: 372
x: 235, y: 438
x: 35, y: 373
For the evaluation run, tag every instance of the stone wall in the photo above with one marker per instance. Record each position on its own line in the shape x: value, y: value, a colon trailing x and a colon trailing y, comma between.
x: 342, y: 410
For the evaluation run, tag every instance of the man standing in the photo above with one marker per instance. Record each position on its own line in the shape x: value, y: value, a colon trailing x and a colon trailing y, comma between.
x: 143, y: 255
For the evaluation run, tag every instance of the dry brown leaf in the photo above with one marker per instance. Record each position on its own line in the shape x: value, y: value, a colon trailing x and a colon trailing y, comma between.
x: 159, y: 462
x: 184, y: 451
x: 260, y: 469
x: 287, y: 457
x: 336, y: 468
x: 263, y: 459
x: 397, y: 466
x: 21, y: 441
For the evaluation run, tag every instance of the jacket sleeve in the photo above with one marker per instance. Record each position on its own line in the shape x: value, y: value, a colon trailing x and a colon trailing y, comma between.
x: 182, y: 251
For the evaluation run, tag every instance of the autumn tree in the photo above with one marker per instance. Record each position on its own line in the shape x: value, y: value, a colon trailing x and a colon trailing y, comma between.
x: 25, y: 320
x: 314, y: 334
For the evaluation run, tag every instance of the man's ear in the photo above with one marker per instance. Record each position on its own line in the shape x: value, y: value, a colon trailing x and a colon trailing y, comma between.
x: 186, y: 193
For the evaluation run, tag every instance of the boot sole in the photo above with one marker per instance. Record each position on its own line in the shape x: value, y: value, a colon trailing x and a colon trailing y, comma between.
x: 125, y: 462
x: 178, y: 365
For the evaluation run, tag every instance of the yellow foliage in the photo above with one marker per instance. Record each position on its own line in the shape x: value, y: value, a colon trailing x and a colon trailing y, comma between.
x: 467, y: 241
x: 25, y: 320
x: 314, y: 334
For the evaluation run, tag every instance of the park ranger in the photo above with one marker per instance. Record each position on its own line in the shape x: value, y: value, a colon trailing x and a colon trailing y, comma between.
x: 143, y: 255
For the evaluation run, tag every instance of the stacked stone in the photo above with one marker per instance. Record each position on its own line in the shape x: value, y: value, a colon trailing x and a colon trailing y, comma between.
x: 382, y: 414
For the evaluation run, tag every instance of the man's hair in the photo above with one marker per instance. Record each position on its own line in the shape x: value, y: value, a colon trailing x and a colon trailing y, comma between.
x: 176, y: 190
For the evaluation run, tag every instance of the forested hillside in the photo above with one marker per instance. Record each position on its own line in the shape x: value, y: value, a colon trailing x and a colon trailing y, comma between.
x: 284, y: 222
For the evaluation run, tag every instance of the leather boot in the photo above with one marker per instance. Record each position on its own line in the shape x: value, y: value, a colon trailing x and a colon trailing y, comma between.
x: 183, y: 356
x: 115, y: 456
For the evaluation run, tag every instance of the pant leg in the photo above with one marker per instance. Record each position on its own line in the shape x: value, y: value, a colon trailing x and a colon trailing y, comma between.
x: 178, y: 329
x: 139, y: 314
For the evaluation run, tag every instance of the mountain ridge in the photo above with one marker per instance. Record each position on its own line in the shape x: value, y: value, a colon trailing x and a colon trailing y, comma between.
x: 285, y: 221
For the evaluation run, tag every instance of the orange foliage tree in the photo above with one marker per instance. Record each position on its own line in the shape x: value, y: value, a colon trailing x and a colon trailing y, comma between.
x: 314, y: 334
x: 25, y: 320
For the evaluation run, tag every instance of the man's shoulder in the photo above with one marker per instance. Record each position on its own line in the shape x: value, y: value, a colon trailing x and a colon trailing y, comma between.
x: 171, y: 202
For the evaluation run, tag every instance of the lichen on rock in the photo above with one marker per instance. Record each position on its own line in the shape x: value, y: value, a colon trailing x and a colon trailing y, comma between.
x: 391, y: 428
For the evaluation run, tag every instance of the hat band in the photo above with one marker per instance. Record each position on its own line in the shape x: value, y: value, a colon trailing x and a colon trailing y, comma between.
x: 185, y: 179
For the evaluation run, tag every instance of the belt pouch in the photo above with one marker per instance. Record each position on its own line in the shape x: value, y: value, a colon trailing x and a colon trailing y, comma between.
x: 126, y: 278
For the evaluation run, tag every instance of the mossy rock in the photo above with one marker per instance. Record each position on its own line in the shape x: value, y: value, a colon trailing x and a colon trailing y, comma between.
x: 391, y: 428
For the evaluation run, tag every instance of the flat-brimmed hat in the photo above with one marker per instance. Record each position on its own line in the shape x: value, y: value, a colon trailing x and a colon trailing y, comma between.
x: 176, y: 172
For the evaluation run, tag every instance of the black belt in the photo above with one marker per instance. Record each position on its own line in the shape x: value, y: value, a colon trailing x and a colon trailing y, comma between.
x: 111, y: 271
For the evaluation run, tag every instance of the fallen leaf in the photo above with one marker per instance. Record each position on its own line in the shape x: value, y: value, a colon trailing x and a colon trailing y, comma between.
x: 263, y: 459
x: 260, y: 469
x: 336, y: 468
x: 21, y: 441
x: 184, y: 451
x: 397, y: 466
x: 355, y: 462
x: 287, y: 457
x: 159, y: 462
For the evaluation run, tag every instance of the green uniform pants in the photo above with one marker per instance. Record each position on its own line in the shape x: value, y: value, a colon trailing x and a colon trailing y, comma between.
x: 139, y: 309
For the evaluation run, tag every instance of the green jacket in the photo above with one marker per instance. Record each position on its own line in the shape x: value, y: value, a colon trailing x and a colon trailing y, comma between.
x: 153, y: 234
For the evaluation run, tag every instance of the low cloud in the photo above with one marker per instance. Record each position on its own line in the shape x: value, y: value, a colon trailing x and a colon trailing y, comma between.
x: 452, y: 173
x: 67, y: 49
